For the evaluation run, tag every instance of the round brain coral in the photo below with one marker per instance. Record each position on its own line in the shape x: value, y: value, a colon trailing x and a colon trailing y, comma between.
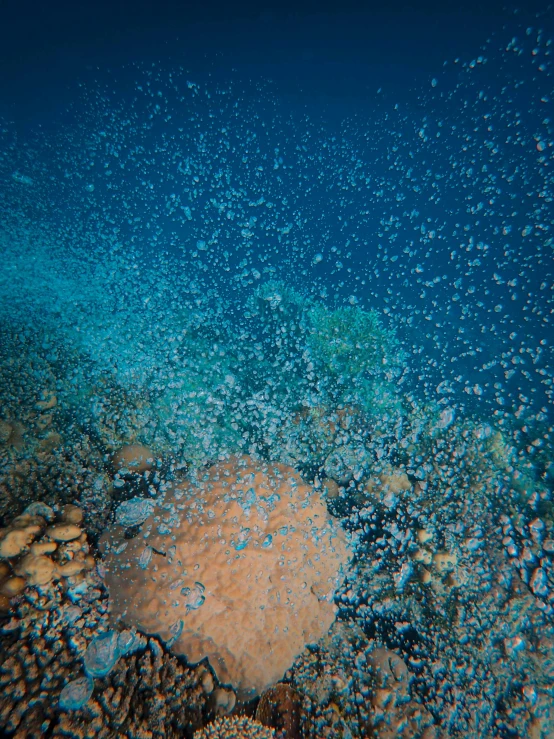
x: 239, y: 565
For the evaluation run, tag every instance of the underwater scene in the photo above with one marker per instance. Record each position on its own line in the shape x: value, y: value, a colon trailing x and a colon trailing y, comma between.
x: 277, y: 406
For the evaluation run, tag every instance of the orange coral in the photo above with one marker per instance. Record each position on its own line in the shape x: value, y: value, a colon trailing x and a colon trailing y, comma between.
x: 239, y: 567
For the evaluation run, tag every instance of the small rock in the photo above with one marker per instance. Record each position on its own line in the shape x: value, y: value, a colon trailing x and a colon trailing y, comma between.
x: 40, y: 509
x: 224, y: 700
x: 13, y: 586
x: 207, y: 682
x: 72, y: 514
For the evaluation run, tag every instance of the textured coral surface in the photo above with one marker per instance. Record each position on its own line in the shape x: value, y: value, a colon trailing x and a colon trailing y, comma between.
x: 239, y: 567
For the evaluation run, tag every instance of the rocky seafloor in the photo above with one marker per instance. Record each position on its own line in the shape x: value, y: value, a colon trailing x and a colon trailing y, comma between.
x: 444, y: 612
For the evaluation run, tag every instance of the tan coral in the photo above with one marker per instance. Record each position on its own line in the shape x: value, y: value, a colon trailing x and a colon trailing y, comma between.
x: 64, y: 532
x: 14, y: 541
x: 43, y: 547
x: 5, y: 431
x: 27, y: 519
x: 392, y: 481
x: 240, y: 568
x: 395, y: 713
x: 13, y: 586
x: 47, y: 445
x: 331, y: 489
x: 149, y: 693
x: 11, y: 433
x: 445, y: 561
x: 44, y: 421
x: 134, y: 457
x: 69, y: 569
x: 36, y: 569
x: 30, y: 559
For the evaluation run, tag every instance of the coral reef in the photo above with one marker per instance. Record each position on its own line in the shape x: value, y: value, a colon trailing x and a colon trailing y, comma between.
x: 72, y: 472
x: 61, y: 552
x: 46, y: 453
x: 352, y: 686
x: 239, y: 566
x: 195, y: 271
x: 43, y: 651
x: 429, y: 583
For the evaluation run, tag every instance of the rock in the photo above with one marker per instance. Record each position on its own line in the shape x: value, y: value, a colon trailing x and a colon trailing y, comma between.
x: 207, y: 682
x: 72, y: 514
x: 279, y: 707
x: 39, y: 509
x: 224, y: 700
